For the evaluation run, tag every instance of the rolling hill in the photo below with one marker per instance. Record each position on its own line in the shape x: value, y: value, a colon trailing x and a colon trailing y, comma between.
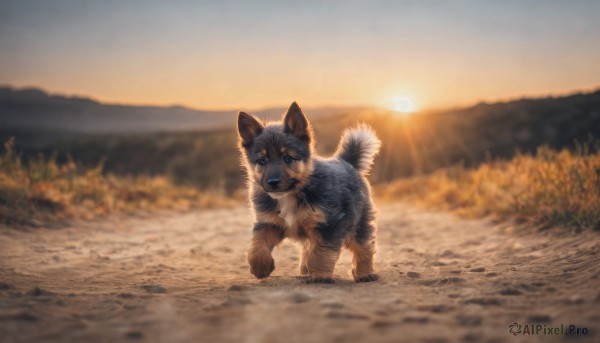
x: 35, y: 109
x: 199, y: 147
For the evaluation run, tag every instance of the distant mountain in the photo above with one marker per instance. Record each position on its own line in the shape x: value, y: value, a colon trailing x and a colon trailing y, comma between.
x: 34, y: 109
x: 181, y: 142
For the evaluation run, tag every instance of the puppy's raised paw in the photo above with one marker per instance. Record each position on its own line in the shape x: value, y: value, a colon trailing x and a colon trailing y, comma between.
x: 261, y: 266
x: 320, y: 279
x: 366, y: 278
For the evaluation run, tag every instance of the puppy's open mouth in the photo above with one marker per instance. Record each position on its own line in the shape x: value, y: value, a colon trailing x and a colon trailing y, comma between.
x: 283, y: 193
x: 279, y: 195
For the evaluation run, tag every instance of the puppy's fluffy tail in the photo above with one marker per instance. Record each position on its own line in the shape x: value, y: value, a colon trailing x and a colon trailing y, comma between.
x: 359, y: 146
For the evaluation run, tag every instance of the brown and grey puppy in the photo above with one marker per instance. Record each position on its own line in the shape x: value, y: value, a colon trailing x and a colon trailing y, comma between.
x: 323, y: 203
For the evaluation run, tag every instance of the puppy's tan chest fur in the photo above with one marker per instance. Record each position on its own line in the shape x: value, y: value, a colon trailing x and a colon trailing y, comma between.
x: 298, y: 219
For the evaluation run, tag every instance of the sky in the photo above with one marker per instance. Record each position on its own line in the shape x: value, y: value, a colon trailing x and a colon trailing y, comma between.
x: 256, y: 54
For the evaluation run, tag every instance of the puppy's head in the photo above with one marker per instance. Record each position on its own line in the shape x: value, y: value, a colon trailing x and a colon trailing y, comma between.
x: 277, y: 155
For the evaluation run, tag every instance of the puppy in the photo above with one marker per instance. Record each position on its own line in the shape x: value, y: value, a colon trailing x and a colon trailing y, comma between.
x: 322, y: 203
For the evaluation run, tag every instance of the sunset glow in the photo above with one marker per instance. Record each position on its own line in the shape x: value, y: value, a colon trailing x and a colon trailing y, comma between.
x: 402, y: 104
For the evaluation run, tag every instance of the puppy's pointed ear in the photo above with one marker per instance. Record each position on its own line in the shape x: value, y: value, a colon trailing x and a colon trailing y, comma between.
x: 296, y: 123
x: 248, y: 128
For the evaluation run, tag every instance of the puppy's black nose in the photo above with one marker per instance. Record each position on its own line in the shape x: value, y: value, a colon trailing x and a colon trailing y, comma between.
x: 273, y: 182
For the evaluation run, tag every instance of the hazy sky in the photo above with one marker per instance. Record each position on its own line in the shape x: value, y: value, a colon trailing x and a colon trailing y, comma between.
x: 251, y: 54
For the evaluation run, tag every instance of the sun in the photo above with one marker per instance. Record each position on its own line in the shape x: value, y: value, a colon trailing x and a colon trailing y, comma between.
x: 402, y: 104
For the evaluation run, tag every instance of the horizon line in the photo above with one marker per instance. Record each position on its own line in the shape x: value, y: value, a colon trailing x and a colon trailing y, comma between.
x: 457, y: 106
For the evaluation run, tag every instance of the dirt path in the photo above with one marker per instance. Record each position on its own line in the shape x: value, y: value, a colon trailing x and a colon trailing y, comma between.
x: 185, y: 279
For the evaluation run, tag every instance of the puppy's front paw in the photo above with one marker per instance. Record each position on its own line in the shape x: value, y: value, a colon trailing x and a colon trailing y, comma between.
x: 320, y: 279
x: 366, y: 278
x: 261, y: 265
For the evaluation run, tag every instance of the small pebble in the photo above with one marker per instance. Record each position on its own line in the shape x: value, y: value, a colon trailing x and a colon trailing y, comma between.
x: 236, y: 288
x: 154, y: 288
x: 299, y: 298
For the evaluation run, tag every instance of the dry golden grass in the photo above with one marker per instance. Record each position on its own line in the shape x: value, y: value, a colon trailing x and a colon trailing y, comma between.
x: 42, y: 190
x: 549, y: 187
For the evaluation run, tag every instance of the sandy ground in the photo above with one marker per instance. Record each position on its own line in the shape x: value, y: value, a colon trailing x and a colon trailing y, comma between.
x: 184, y: 278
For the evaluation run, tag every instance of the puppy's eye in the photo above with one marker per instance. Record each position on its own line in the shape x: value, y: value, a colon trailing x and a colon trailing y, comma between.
x: 261, y: 161
x: 288, y: 159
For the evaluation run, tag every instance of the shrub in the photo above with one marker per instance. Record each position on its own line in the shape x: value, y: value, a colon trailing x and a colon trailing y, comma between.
x: 42, y: 190
x: 551, y: 187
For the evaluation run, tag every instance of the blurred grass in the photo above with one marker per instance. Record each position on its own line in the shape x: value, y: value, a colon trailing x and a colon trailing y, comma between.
x: 549, y: 187
x: 42, y: 190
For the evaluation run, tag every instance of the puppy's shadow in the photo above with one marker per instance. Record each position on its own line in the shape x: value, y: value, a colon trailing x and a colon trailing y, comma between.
x: 280, y: 281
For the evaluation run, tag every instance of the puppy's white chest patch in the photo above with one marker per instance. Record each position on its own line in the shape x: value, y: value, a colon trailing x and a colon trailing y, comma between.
x: 288, y: 210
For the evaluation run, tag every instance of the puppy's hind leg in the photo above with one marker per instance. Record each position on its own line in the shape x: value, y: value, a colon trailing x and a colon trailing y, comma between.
x: 362, y: 259
x: 320, y: 261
